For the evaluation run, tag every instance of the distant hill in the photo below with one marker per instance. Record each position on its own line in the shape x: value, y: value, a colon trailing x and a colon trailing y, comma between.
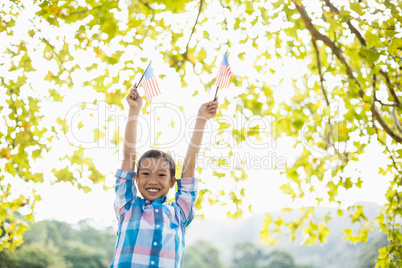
x: 333, y: 254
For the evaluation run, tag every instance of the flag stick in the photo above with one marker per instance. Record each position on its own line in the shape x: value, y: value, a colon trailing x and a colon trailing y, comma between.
x: 216, y: 92
x: 139, y: 83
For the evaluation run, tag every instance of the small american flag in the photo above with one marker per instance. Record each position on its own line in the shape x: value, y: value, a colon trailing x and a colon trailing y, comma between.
x: 224, y: 73
x: 149, y: 84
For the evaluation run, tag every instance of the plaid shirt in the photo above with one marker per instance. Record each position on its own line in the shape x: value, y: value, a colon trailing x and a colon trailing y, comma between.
x: 151, y: 234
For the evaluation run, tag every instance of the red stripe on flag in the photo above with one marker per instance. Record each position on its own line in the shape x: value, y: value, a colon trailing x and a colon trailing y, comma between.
x: 223, y: 77
x: 155, y: 88
x: 151, y: 88
x: 219, y: 76
x: 145, y: 86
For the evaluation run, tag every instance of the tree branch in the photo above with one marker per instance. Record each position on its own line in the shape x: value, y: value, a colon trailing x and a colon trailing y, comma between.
x: 327, y: 41
x: 145, y: 3
x: 78, y: 12
x: 392, y: 28
x: 384, y: 125
x: 351, y: 27
x: 317, y: 54
x: 195, y: 24
x: 397, y: 169
x: 396, y: 120
x: 390, y: 87
x: 363, y: 43
x: 185, y: 54
x: 316, y: 35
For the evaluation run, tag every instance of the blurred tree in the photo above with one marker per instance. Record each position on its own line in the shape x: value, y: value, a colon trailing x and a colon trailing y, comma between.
x: 58, y: 244
x: 202, y: 254
x: 38, y: 255
x: 246, y: 254
x: 83, y: 256
x: 345, y: 95
x: 50, y: 232
x: 7, y: 259
x: 280, y: 259
x: 94, y: 238
x: 369, y: 252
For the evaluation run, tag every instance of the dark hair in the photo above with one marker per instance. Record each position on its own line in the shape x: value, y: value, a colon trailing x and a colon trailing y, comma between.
x: 160, y: 155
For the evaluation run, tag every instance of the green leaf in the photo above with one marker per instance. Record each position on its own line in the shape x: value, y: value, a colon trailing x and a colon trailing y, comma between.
x: 265, y: 234
x: 219, y: 175
x: 225, y: 104
x: 98, y: 134
x: 372, y: 56
x: 286, y: 189
x: 63, y: 174
x: 356, y: 7
x: 348, y: 183
x: 255, y: 132
x: 63, y: 123
x: 372, y: 39
x: 396, y: 44
x: 116, y: 139
x: 222, y: 127
x: 239, y: 135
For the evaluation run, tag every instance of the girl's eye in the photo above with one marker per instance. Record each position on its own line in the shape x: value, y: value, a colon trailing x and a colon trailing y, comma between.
x: 162, y: 175
x: 145, y: 173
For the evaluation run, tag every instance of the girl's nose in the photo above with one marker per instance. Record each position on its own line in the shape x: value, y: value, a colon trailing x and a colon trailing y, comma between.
x: 153, y: 179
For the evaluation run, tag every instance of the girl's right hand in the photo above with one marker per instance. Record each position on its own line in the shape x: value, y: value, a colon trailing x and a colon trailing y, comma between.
x: 134, y: 99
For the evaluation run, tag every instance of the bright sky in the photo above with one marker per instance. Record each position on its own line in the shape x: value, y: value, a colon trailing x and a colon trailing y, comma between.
x: 62, y: 201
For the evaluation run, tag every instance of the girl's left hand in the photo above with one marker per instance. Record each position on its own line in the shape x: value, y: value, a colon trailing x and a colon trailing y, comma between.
x: 134, y: 99
x: 209, y: 109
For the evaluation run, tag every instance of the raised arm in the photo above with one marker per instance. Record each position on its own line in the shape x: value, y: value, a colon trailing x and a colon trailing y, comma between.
x: 206, y: 112
x: 130, y: 139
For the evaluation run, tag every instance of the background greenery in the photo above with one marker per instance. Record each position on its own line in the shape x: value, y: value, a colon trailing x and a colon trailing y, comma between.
x: 209, y: 244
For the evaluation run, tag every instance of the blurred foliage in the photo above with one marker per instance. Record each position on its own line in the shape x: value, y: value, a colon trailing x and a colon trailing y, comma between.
x: 202, y: 254
x: 247, y: 254
x: 58, y: 244
x: 350, y: 94
x: 346, y: 94
x: 369, y: 252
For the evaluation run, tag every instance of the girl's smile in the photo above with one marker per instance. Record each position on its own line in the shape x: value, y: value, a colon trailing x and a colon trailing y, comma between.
x: 154, y: 179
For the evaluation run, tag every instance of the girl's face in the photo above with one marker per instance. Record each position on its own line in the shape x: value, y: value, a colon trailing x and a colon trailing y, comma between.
x: 154, y: 179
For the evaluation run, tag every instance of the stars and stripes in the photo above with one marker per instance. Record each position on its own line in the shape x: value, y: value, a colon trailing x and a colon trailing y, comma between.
x: 149, y: 84
x: 224, y: 73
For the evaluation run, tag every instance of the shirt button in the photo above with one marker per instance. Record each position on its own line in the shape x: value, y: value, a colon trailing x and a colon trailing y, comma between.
x: 157, y: 226
x: 156, y: 210
x: 152, y: 262
x: 155, y: 243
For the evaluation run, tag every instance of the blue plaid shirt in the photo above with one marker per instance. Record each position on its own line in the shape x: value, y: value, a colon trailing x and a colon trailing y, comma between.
x: 151, y: 234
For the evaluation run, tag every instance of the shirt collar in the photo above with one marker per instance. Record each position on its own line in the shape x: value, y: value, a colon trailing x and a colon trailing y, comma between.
x: 159, y: 200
